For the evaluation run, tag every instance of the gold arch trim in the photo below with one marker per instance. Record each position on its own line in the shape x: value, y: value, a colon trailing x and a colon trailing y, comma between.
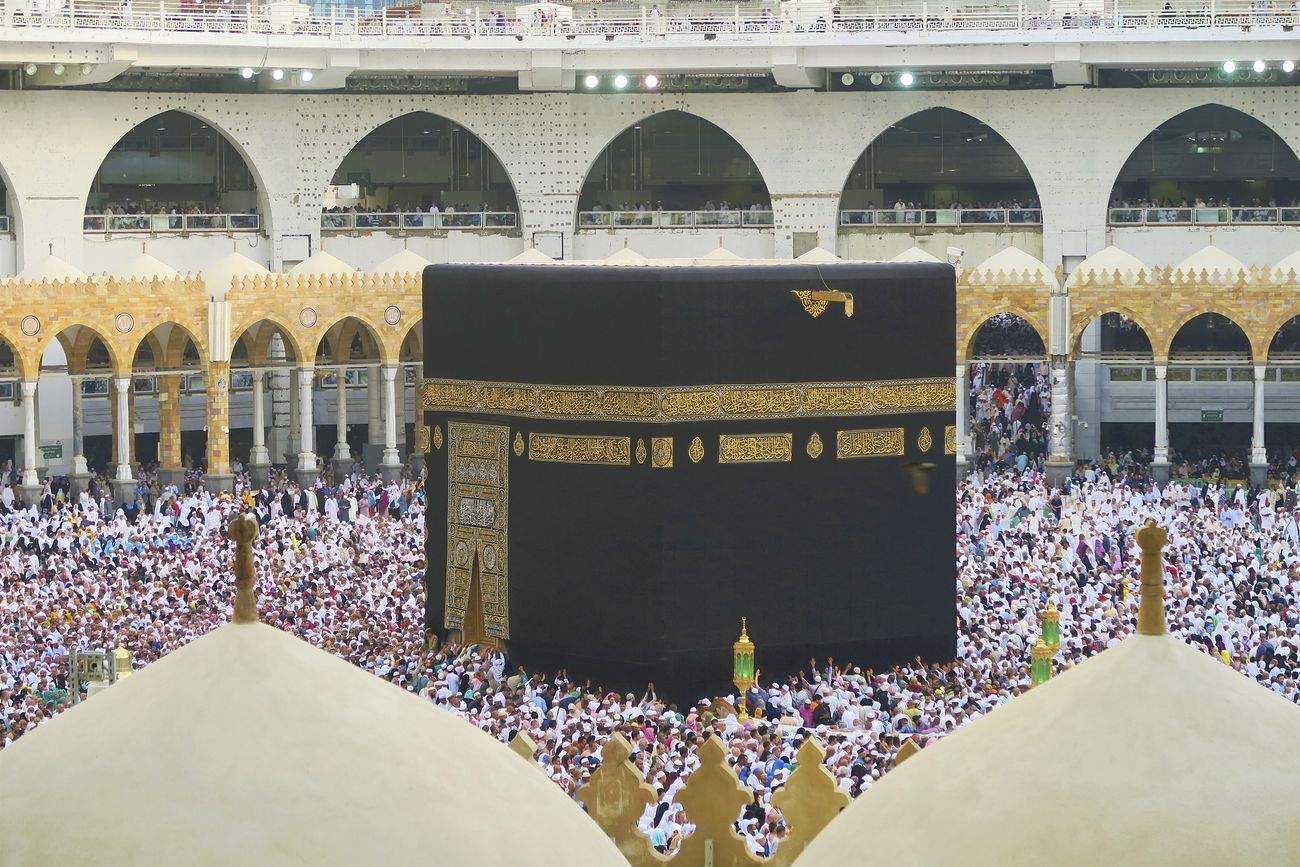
x: 692, y: 403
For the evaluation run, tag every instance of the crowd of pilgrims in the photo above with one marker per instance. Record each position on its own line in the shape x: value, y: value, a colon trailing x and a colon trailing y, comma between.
x: 341, y: 566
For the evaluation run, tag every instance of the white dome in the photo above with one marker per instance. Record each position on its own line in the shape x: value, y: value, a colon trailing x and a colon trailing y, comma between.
x: 720, y: 254
x: 625, y: 256
x: 818, y: 256
x: 321, y: 264
x: 402, y: 262
x: 1151, y: 752
x: 532, y: 256
x: 146, y: 267
x: 1107, y: 261
x: 915, y: 254
x: 250, y: 746
x: 1014, y: 260
x: 217, y: 276
x: 1287, y: 265
x: 1211, y: 259
x: 50, y: 268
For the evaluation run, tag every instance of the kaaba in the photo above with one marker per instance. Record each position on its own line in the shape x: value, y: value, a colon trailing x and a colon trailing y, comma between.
x: 624, y: 461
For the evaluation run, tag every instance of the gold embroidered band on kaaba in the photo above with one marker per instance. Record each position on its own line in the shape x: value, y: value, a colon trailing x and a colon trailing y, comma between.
x: 692, y: 403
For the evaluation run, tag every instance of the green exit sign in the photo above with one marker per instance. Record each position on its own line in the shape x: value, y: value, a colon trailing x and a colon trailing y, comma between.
x: 52, y: 452
x: 1211, y: 415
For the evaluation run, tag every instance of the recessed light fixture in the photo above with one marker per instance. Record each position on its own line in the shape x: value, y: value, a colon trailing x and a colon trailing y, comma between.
x: 277, y: 74
x: 246, y: 72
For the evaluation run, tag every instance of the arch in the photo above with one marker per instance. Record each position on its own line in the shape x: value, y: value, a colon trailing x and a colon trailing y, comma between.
x: 976, y: 143
x: 411, y: 347
x: 221, y: 136
x: 15, y: 358
x: 78, y: 339
x: 1285, y: 338
x: 1195, y: 329
x: 967, y: 343
x: 661, y: 124
x: 1088, y: 316
x: 337, y: 339
x: 168, y: 355
x: 1213, y: 152
x: 426, y: 138
x: 261, y: 338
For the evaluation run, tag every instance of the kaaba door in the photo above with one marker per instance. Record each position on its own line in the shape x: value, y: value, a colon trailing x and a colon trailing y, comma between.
x: 477, y: 528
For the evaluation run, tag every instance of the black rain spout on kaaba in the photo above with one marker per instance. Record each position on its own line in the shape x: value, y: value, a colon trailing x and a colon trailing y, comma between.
x: 627, y: 459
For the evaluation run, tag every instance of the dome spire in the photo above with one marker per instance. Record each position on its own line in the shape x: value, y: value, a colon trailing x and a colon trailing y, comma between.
x: 1151, y: 606
x: 243, y: 530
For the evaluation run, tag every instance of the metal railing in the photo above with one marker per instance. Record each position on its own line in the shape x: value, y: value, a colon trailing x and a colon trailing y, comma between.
x: 97, y: 224
x: 965, y: 217
x: 626, y: 21
x: 349, y: 221
x: 675, y: 219
x: 1250, y: 216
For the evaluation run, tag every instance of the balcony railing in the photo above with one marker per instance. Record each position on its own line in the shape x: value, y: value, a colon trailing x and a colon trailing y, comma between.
x: 623, y: 21
x: 348, y: 221
x: 1252, y: 216
x: 99, y: 224
x: 675, y: 220
x: 981, y: 218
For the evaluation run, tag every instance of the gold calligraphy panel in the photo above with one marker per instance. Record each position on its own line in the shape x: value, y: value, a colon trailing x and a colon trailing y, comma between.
x: 874, y: 443
x: 478, y: 523
x: 950, y: 440
x: 563, y: 449
x: 755, y: 448
x: 672, y: 404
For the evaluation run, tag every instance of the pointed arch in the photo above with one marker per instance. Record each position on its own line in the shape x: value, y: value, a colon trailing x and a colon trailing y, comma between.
x: 168, y: 342
x: 1194, y: 330
x: 1036, y: 329
x: 339, y: 337
x: 1081, y: 319
x: 258, y: 335
x: 645, y: 148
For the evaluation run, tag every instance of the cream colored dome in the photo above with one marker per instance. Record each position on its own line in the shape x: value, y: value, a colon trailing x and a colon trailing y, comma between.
x: 50, y: 268
x: 402, y: 262
x: 625, y: 256
x: 719, y: 254
x: 532, y: 256
x: 1152, y: 752
x: 1211, y: 259
x: 818, y: 256
x: 1106, y: 262
x: 1014, y: 260
x: 217, y: 276
x: 146, y: 267
x: 915, y: 254
x: 250, y: 746
x: 321, y: 264
x: 1287, y: 265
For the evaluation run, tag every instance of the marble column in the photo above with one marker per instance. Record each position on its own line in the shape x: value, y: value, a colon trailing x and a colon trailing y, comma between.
x: 259, y: 457
x: 295, y: 437
x: 963, y: 418
x: 374, y: 394
x: 123, y: 483
x: 308, y: 469
x: 218, y: 476
x: 342, y: 461
x: 170, y: 471
x: 80, y: 471
x: 1060, y: 457
x: 1160, y: 457
x: 417, y: 457
x: 29, y: 489
x: 1258, y: 453
x: 390, y: 466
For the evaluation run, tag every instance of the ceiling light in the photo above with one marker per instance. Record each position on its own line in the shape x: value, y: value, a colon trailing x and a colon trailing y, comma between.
x: 306, y: 76
x: 877, y: 79
x: 58, y: 69
x: 86, y: 68
x: 246, y: 72
x: 1258, y: 66
x: 650, y: 81
x: 1229, y: 67
x: 277, y: 74
x: 620, y: 81
x: 846, y: 79
x: 591, y: 81
x: 906, y: 79
x: 1288, y: 66
x: 30, y: 69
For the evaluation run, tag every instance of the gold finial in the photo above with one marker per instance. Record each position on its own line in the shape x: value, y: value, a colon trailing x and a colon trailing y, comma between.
x: 242, y: 531
x: 1151, y: 605
x: 744, y: 629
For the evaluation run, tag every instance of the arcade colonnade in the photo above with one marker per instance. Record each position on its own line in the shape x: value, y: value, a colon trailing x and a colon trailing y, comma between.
x: 804, y: 145
x: 236, y: 326
x: 1158, y: 300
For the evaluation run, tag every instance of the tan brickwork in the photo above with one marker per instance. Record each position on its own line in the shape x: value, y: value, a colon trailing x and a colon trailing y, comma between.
x: 169, y: 421
x: 217, y: 382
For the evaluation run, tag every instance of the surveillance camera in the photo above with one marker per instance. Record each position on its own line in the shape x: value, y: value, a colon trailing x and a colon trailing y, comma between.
x: 955, y: 254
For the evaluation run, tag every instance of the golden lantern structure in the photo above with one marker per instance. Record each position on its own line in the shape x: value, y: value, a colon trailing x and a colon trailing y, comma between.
x: 1040, y: 668
x: 1051, y: 623
x: 742, y: 666
x: 122, y: 662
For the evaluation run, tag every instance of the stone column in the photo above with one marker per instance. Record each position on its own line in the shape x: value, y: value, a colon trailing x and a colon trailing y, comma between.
x: 1060, y: 458
x: 963, y: 418
x: 259, y: 458
x: 130, y: 439
x: 417, y: 457
x: 80, y: 471
x: 218, y: 477
x: 307, y: 470
x: 1258, y: 453
x: 295, y: 437
x: 342, y: 461
x: 281, y: 387
x: 390, y: 466
x: 170, y: 471
x: 374, y: 394
x: 30, y: 486
x: 123, y: 483
x: 1160, y: 457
